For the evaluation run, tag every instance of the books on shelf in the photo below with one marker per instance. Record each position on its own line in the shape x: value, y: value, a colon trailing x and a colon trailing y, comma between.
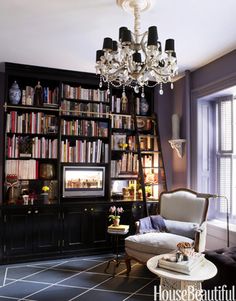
x: 122, y: 122
x: 128, y: 166
x: 89, y: 128
x: 85, y: 109
x: 31, y: 123
x: 49, y: 96
x: 77, y: 92
x: 24, y: 169
x: 35, y: 147
x: 186, y: 267
x: 83, y: 151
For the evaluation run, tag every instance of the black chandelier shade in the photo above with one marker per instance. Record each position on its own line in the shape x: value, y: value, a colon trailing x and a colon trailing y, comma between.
x: 170, y: 45
x: 152, y: 36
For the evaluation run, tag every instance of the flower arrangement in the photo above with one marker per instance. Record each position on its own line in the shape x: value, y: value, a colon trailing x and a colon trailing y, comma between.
x: 115, y: 213
x: 45, y: 188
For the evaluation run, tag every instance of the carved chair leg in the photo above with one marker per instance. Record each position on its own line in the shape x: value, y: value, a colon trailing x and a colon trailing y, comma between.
x: 128, y: 264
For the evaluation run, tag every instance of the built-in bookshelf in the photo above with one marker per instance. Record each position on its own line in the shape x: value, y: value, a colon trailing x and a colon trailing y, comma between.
x: 69, y: 149
x: 61, y: 119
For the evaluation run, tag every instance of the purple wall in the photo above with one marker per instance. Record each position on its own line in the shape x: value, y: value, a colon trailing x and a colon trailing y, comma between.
x: 213, y: 77
x: 163, y: 109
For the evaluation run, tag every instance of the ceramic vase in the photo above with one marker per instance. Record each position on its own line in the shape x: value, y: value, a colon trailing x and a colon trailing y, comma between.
x: 14, y: 94
x: 144, y: 106
x: 116, y: 222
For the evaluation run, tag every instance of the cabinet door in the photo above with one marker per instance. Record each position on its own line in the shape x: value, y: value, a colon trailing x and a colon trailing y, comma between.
x: 18, y: 232
x: 46, y: 230
x: 75, y: 228
x: 98, y: 222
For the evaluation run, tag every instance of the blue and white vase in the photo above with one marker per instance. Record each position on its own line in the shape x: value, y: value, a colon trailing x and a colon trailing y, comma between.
x: 14, y: 94
x: 144, y: 106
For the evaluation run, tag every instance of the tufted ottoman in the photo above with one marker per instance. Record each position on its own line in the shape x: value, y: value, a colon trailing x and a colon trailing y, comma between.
x: 225, y: 261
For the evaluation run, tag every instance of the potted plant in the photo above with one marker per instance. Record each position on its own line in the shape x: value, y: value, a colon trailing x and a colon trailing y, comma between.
x: 115, y: 215
x: 44, y: 194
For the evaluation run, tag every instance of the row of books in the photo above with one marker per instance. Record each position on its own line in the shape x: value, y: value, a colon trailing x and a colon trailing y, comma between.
x: 82, y: 93
x: 123, y: 142
x: 84, y: 109
x: 84, y: 151
x: 122, y: 122
x: 89, y: 128
x: 31, y: 123
x: 147, y: 143
x: 48, y: 97
x: 126, y: 167
x: 24, y: 169
x: 120, y: 105
x: 43, y: 148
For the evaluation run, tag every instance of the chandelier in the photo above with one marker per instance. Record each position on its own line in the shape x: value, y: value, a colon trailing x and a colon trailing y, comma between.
x: 136, y: 60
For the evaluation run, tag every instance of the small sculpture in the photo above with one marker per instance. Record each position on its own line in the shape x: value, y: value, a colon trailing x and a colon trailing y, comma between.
x: 38, y: 95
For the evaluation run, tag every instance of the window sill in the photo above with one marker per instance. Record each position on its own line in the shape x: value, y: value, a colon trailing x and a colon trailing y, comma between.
x: 221, y: 224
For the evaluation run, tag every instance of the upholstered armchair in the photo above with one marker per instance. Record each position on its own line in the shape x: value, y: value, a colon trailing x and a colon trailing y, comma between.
x: 184, y: 216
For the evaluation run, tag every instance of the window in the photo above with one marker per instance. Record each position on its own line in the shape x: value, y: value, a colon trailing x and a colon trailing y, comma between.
x: 216, y: 167
x: 226, y: 155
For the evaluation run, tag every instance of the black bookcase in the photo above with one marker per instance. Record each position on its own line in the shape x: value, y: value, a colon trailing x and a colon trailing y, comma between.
x: 72, y: 123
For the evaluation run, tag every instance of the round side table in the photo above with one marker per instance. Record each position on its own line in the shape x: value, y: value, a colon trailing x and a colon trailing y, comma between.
x: 170, y: 280
x: 117, y: 232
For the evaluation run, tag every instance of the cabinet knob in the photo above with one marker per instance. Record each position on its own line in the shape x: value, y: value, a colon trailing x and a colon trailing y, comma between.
x: 85, y: 209
x: 36, y: 211
x: 91, y: 209
x: 140, y: 206
x: 29, y: 212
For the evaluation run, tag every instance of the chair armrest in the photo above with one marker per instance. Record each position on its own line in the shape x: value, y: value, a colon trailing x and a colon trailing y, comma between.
x: 200, y: 237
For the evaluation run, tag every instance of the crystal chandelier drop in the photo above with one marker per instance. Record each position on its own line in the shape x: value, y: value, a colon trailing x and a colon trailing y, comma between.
x: 136, y: 60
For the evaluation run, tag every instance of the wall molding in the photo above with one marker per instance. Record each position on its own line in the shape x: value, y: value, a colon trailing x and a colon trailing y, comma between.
x: 215, y: 86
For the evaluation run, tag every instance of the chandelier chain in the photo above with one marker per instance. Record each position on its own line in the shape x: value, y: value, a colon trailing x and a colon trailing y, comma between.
x: 137, y: 21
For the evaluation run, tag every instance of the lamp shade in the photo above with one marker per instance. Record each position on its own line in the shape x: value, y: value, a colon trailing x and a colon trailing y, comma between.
x: 137, y: 57
x: 170, y: 45
x: 114, y: 46
x: 126, y: 37
x: 152, y: 36
x: 107, y: 44
x: 99, y: 53
x: 121, y: 31
x: 173, y: 54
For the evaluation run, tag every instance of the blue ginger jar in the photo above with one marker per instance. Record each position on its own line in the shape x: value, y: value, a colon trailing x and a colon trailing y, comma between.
x: 14, y: 94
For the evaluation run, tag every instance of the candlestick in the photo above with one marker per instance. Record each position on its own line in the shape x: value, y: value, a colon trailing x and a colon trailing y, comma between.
x: 175, y: 126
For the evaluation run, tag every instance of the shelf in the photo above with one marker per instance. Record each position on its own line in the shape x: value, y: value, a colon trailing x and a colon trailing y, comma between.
x: 149, y: 152
x: 49, y: 135
x: 78, y: 137
x: 121, y: 114
x: 158, y: 167
x: 123, y: 151
x: 32, y: 158
x: 33, y: 108
x: 130, y: 132
x: 85, y: 117
x: 86, y: 101
x: 124, y: 178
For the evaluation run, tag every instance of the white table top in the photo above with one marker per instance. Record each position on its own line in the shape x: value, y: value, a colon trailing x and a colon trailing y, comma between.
x: 204, y: 271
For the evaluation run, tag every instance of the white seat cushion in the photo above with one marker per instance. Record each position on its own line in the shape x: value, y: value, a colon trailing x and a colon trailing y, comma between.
x: 154, y: 243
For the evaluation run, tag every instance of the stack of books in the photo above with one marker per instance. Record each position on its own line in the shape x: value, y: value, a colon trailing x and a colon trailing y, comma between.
x: 121, y: 229
x: 184, y: 267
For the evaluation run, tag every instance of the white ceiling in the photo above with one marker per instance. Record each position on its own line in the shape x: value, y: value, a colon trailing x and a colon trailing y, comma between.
x: 65, y: 34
